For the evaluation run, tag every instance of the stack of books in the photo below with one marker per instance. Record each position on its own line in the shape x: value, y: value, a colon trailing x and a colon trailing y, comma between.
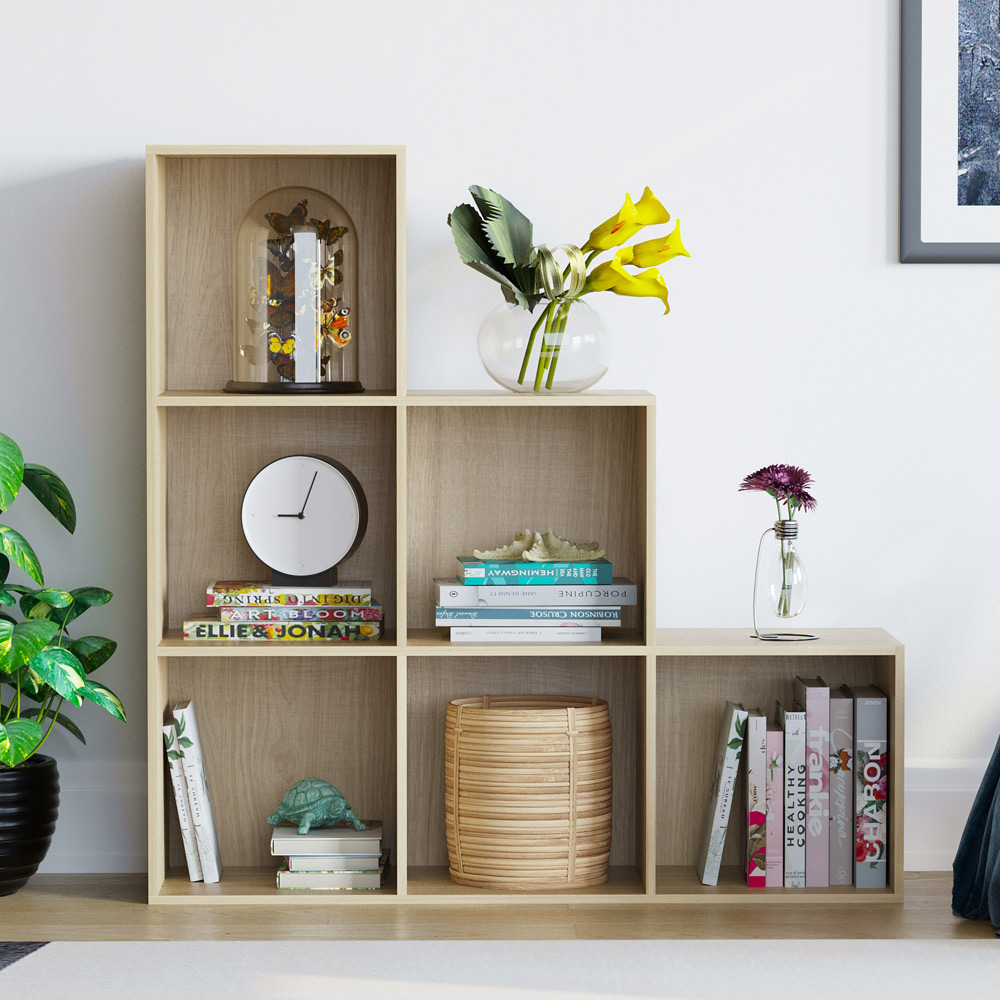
x: 816, y: 784
x: 274, y: 612
x: 194, y: 805
x: 334, y: 857
x: 506, y: 600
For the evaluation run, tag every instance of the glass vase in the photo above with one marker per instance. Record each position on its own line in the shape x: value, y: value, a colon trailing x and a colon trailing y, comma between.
x: 781, y: 574
x: 563, y: 346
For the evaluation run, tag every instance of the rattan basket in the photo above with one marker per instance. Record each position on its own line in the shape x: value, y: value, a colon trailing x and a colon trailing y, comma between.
x: 528, y: 791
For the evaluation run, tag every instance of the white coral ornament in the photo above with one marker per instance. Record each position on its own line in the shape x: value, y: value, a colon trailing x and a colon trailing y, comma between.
x: 523, y: 541
x: 550, y: 547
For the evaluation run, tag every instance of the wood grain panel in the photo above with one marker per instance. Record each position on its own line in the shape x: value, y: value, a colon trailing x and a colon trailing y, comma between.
x: 206, y: 197
x: 212, y: 454
x: 477, y: 475
x: 432, y: 683
x: 691, y: 693
x: 266, y: 724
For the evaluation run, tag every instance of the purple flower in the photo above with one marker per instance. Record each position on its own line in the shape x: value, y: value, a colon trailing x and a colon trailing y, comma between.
x: 783, y: 482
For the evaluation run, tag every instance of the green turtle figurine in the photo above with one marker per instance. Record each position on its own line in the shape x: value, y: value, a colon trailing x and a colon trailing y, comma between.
x: 314, y: 802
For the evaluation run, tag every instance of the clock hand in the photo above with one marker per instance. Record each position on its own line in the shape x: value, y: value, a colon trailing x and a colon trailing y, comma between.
x: 304, y: 502
x: 300, y: 515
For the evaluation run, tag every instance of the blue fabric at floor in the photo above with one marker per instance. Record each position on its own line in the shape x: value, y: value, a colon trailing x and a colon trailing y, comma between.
x: 11, y: 951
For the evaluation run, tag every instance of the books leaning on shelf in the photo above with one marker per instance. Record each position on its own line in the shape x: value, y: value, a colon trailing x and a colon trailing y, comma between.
x: 337, y: 878
x: 182, y: 800
x: 335, y: 857
x: 264, y: 612
x: 202, y: 821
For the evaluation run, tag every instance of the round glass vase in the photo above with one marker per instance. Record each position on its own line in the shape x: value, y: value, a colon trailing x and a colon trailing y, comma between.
x: 563, y: 346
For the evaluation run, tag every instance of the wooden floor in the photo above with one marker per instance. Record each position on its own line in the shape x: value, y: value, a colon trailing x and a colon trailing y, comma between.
x: 113, y: 907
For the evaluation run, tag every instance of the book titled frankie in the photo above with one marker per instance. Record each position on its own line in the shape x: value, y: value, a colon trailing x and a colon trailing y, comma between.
x: 451, y: 594
x: 720, y: 795
x: 814, y: 695
x: 755, y: 772
x: 208, y: 627
x: 841, y: 788
x: 528, y: 616
x: 871, y: 788
x: 282, y: 613
x: 234, y: 593
x: 794, y: 725
x: 775, y: 800
x: 502, y: 572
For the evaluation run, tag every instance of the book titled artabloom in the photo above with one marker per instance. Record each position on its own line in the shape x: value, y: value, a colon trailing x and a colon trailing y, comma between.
x: 450, y: 594
x: 289, y: 613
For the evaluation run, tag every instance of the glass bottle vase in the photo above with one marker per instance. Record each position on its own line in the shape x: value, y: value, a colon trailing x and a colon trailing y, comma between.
x: 781, y: 574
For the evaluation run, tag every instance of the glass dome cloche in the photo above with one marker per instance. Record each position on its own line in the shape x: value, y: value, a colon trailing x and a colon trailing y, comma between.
x: 295, y: 292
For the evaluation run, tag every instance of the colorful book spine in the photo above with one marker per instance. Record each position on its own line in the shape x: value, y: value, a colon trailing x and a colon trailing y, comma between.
x: 450, y: 594
x: 755, y: 752
x: 209, y: 628
x: 814, y: 695
x: 176, y: 768
x: 720, y: 795
x: 871, y: 789
x: 503, y: 572
x: 793, y: 723
x: 562, y: 633
x: 775, y: 806
x: 841, y: 788
x: 529, y: 616
x: 229, y: 593
x: 202, y: 819
x: 279, y: 613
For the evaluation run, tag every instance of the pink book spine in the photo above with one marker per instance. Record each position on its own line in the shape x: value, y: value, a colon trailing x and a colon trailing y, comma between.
x: 817, y: 705
x: 775, y: 807
x: 755, y: 751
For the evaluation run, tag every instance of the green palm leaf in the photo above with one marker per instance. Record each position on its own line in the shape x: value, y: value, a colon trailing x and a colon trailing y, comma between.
x: 509, y: 231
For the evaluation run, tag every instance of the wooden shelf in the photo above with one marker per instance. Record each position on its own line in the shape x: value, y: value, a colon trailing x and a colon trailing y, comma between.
x: 435, y: 642
x: 624, y: 884
x: 739, y: 642
x: 491, y: 397
x: 257, y: 885
x: 216, y: 397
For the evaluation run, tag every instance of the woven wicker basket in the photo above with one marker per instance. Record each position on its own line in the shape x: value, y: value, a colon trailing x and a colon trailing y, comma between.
x: 528, y: 791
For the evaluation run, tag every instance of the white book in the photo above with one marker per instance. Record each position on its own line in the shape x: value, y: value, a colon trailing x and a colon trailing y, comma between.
x: 323, y: 840
x: 527, y: 634
x: 174, y: 758
x: 372, y: 878
x: 332, y: 862
x: 794, y: 725
x: 189, y: 743
x: 720, y: 796
x: 755, y: 773
x: 451, y: 594
x: 552, y: 616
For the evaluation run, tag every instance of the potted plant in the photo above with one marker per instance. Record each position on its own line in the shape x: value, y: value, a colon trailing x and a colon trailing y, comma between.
x: 42, y: 668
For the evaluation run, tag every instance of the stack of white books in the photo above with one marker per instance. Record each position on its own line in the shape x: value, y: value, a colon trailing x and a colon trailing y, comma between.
x: 333, y: 857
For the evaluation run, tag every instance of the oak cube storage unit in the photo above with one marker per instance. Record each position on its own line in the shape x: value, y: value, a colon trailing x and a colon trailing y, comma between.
x: 441, y: 471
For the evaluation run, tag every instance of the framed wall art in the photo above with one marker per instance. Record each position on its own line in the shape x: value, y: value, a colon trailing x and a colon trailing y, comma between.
x: 950, y: 131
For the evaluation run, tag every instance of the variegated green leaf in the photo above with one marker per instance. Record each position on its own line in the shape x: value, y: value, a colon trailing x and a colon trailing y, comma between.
x: 93, y: 651
x: 20, y: 642
x: 11, y: 470
x: 7, y: 599
x: 18, y: 739
x: 54, y: 598
x: 107, y: 699
x: 53, y: 494
x: 16, y: 547
x: 61, y: 670
x: 4, y: 568
x: 61, y: 720
x: 83, y: 598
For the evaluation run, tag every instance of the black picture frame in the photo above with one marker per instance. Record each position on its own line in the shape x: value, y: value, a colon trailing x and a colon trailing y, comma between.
x: 912, y: 250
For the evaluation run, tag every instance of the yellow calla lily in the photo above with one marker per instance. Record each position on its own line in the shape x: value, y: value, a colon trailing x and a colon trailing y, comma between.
x: 653, y: 252
x: 647, y: 211
x: 611, y: 276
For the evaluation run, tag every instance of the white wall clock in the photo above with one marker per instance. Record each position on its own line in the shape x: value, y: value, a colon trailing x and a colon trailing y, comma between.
x: 302, y: 515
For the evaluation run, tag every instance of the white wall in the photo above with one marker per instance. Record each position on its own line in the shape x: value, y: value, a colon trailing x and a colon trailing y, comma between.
x: 769, y: 130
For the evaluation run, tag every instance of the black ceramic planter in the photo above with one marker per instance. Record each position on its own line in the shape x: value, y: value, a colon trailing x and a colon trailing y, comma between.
x: 29, y: 805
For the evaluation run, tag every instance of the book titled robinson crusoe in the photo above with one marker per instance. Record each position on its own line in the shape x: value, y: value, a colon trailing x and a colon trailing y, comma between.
x: 502, y: 572
x: 209, y: 627
x: 755, y: 772
x: 235, y: 593
x: 841, y: 788
x: 529, y: 616
x: 283, y: 613
x: 871, y: 787
x: 618, y: 592
x: 340, y: 839
x: 370, y: 878
x: 720, y: 796
x: 559, y: 633
x: 794, y: 725
x: 202, y: 818
x: 175, y: 764
x: 814, y: 695
x: 775, y: 800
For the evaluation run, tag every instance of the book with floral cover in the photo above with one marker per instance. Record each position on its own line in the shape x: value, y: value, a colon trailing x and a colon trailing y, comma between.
x: 775, y: 806
x: 755, y: 773
x: 841, y: 788
x: 871, y: 788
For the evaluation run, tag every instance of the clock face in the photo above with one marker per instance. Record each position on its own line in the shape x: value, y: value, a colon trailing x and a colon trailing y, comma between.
x: 302, y: 515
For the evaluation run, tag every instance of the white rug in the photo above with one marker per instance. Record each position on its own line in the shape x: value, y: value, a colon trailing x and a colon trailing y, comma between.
x: 592, y: 970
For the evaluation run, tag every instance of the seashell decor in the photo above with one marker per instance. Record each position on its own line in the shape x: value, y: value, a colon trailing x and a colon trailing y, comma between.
x: 531, y: 546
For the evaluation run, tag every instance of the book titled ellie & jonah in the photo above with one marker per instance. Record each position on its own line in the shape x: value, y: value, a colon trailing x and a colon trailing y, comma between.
x: 209, y: 627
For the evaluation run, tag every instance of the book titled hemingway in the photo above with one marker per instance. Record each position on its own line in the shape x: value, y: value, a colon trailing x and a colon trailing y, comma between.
x: 235, y: 593
x: 814, y: 695
x: 794, y: 725
x: 871, y: 787
x: 208, y: 627
x: 501, y: 572
x: 841, y: 788
x: 528, y: 616
x: 720, y: 795
x: 451, y: 594
x: 283, y: 613
x: 755, y: 772
x: 774, y: 798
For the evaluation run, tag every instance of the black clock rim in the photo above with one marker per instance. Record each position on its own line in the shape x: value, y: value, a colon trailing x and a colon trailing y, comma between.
x: 352, y: 480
